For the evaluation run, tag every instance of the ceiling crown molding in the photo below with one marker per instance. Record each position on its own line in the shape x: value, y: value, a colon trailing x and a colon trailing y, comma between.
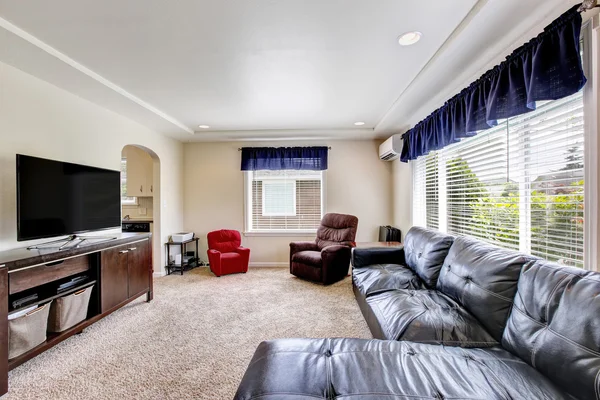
x: 284, y: 135
x: 10, y: 27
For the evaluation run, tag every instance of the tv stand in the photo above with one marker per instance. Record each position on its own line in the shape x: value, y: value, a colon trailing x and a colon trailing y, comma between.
x: 119, y: 268
x: 68, y: 242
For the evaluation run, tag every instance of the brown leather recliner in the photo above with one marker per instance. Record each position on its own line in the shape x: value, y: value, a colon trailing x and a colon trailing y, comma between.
x: 327, y: 259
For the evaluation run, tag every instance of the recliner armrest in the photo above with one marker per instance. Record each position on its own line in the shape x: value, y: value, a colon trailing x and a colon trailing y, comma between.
x: 336, y: 254
x: 295, y: 247
x: 336, y: 262
x: 386, y: 255
x: 335, y: 249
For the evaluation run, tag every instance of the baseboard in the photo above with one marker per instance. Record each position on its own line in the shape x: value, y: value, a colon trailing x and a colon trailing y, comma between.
x: 274, y: 264
x: 251, y: 265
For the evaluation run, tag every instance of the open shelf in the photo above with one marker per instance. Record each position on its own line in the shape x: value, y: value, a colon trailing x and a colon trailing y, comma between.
x: 194, y: 239
x: 52, y: 339
x: 56, y: 296
x: 183, y: 266
x: 192, y: 263
x: 172, y: 267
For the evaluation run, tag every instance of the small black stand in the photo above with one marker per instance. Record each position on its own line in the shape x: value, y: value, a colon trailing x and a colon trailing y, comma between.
x: 68, y: 242
x: 192, y: 263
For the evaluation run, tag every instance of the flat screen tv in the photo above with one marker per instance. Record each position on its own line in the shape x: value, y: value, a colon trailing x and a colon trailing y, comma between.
x: 56, y: 198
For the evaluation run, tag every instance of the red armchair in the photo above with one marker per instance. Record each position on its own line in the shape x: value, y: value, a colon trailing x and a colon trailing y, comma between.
x: 225, y: 253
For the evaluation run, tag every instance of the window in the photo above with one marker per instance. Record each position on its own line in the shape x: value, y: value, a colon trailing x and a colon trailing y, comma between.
x: 283, y: 201
x: 124, y: 198
x: 279, y: 198
x: 519, y: 185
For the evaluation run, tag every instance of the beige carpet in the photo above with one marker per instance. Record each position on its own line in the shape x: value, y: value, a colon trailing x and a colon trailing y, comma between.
x: 193, y: 341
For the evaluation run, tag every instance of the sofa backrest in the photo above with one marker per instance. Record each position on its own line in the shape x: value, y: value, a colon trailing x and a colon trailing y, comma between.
x: 337, y: 229
x: 483, y: 278
x: 425, y: 251
x: 555, y: 326
x: 224, y: 240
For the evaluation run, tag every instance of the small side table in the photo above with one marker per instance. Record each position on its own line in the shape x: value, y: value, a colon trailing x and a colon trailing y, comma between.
x: 190, y: 264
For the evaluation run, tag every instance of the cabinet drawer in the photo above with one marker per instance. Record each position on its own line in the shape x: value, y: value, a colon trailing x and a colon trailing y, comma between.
x: 36, y: 276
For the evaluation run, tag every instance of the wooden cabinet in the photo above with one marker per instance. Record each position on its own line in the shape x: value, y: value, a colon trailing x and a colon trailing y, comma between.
x: 138, y: 268
x: 114, y: 286
x: 126, y: 273
x: 140, y: 176
x: 120, y: 270
x: 149, y: 176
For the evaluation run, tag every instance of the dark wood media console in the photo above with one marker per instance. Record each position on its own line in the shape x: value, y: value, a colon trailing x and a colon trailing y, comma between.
x: 120, y: 270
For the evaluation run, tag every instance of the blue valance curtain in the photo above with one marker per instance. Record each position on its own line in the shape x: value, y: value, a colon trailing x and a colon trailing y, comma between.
x: 280, y: 158
x: 546, y: 68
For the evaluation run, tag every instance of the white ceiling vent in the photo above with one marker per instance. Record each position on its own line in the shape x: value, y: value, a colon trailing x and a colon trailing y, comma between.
x: 390, y: 149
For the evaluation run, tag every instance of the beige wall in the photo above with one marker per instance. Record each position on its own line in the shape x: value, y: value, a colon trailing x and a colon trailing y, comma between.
x: 402, y: 195
x: 42, y: 120
x: 358, y: 183
x: 137, y: 211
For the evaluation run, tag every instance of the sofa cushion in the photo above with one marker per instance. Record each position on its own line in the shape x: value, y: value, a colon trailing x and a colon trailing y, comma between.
x: 308, y: 257
x: 425, y: 251
x: 374, y: 369
x: 555, y: 326
x: 384, y: 277
x: 483, y: 278
x: 427, y: 316
x: 230, y: 257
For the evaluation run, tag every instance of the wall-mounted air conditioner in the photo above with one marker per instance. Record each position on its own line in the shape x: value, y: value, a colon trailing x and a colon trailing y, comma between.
x: 390, y: 149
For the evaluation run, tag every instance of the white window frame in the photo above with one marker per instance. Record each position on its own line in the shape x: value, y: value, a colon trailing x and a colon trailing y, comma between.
x: 591, y: 99
x: 267, y: 182
x: 591, y: 104
x: 248, y: 231
x: 127, y: 201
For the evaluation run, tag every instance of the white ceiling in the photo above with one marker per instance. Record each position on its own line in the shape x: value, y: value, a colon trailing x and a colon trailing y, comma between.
x: 256, y: 69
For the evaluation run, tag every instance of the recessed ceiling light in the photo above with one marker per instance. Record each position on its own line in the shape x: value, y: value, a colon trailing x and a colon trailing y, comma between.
x: 359, y: 123
x: 409, y: 38
x: 203, y: 126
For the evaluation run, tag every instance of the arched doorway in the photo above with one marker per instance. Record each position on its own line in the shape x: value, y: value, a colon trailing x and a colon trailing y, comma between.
x: 140, y: 188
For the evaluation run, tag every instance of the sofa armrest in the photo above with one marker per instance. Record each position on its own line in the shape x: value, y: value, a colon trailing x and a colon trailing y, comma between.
x: 245, y: 253
x: 214, y: 260
x: 242, y: 250
x: 295, y: 247
x: 214, y: 256
x: 385, y: 255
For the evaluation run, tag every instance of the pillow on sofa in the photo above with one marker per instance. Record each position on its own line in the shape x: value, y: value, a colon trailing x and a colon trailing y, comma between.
x: 483, y: 278
x: 425, y: 251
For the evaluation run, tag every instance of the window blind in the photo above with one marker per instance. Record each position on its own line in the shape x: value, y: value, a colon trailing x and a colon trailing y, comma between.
x: 284, y: 200
x: 519, y: 185
x: 426, y: 191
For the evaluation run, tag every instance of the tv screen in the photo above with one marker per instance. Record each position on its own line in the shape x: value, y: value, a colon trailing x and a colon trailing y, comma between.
x: 56, y: 198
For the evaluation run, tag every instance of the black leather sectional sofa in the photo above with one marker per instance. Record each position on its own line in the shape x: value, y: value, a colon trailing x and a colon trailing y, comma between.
x: 458, y: 319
